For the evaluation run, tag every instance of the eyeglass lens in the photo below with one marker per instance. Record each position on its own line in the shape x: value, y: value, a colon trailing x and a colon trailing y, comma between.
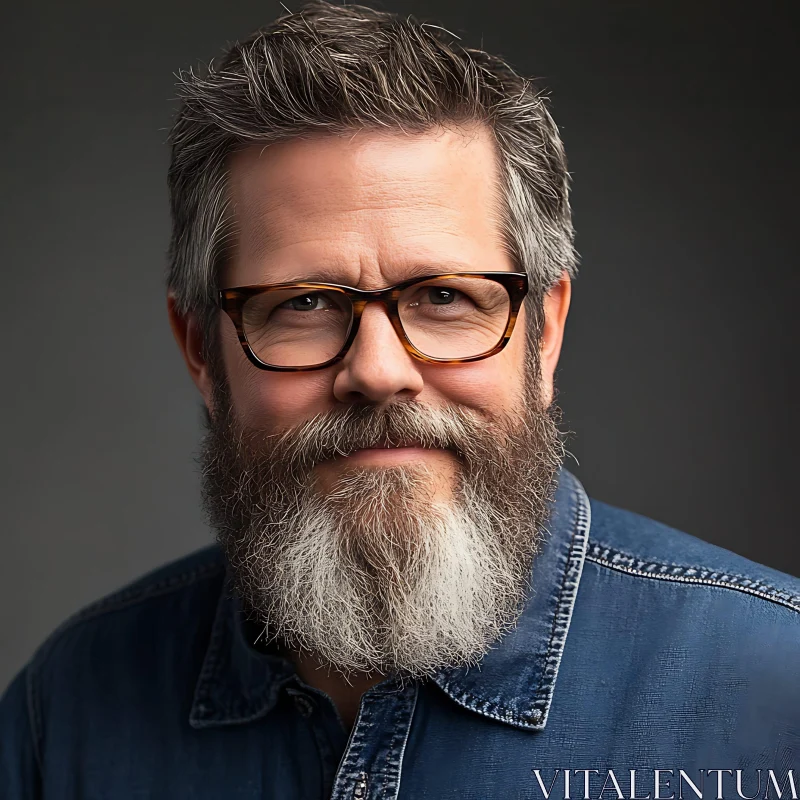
x: 447, y: 318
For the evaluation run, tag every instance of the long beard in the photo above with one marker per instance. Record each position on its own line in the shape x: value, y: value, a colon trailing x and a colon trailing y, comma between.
x: 376, y: 574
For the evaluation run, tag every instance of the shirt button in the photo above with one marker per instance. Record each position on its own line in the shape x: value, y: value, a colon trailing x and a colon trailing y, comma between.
x: 360, y: 789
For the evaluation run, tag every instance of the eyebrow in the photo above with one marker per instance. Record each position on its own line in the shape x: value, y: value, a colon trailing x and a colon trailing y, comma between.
x: 418, y: 270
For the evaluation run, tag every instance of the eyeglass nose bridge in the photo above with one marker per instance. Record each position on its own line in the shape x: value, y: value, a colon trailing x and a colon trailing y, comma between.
x: 387, y: 298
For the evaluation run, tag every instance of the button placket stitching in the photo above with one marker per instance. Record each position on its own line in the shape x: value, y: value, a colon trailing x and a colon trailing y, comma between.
x: 379, y: 732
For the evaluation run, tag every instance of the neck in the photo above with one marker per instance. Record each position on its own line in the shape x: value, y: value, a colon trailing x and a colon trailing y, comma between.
x: 345, y: 692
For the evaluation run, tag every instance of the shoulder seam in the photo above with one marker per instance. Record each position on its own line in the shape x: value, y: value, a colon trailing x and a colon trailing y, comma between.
x: 124, y: 598
x: 627, y: 563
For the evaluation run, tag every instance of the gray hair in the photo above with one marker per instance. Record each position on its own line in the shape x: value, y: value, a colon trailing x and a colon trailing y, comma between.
x: 329, y: 69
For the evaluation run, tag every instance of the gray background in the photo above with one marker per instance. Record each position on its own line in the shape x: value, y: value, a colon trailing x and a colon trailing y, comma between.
x: 679, y: 364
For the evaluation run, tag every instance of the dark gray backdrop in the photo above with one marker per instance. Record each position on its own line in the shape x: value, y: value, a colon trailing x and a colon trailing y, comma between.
x: 678, y: 369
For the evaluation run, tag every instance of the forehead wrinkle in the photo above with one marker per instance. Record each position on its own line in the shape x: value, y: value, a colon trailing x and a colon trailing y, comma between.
x: 374, y: 193
x: 385, y: 230
x: 391, y: 237
x: 352, y: 258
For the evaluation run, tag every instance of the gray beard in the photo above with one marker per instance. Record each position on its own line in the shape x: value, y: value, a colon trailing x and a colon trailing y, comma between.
x: 376, y: 575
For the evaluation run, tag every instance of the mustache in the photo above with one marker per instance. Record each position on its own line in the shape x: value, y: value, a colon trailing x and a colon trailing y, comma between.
x: 342, y: 431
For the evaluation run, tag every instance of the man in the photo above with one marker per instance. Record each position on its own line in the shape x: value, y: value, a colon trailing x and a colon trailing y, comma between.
x: 412, y: 598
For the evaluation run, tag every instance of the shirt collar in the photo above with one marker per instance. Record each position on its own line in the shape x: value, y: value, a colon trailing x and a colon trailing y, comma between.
x: 513, y: 683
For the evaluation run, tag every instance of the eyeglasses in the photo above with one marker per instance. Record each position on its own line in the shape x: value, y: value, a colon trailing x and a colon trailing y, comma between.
x: 447, y: 318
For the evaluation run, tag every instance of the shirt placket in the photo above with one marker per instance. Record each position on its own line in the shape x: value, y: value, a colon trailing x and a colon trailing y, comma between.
x: 326, y: 728
x: 371, y: 766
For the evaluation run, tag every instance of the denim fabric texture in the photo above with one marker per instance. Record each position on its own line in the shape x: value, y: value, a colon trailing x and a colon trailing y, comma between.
x: 640, y: 648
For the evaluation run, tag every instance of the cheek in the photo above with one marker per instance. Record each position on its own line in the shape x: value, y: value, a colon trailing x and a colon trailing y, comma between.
x: 488, y: 386
x: 492, y: 385
x: 263, y: 399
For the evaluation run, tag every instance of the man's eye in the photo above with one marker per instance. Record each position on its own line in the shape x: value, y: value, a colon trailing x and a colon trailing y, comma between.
x: 425, y: 297
x: 306, y: 302
x: 439, y: 295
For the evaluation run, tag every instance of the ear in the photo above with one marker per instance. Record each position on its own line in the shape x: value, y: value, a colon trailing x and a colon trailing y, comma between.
x: 556, y: 307
x: 189, y: 336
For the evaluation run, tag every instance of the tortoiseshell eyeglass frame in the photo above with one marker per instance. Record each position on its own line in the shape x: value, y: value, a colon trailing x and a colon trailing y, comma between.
x: 233, y: 299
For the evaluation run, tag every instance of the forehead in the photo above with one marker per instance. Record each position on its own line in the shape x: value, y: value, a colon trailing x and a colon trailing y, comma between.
x: 369, y: 208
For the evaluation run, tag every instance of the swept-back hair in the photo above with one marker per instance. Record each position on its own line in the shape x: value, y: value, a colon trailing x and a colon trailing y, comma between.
x: 328, y: 69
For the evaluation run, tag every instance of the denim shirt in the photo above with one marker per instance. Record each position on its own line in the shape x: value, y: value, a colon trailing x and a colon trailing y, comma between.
x: 641, y: 648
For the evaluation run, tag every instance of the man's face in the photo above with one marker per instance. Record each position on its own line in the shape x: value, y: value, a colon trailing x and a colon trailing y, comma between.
x: 377, y: 557
x: 368, y: 211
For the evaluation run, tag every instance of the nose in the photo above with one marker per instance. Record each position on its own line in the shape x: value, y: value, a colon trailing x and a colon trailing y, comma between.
x: 377, y: 367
